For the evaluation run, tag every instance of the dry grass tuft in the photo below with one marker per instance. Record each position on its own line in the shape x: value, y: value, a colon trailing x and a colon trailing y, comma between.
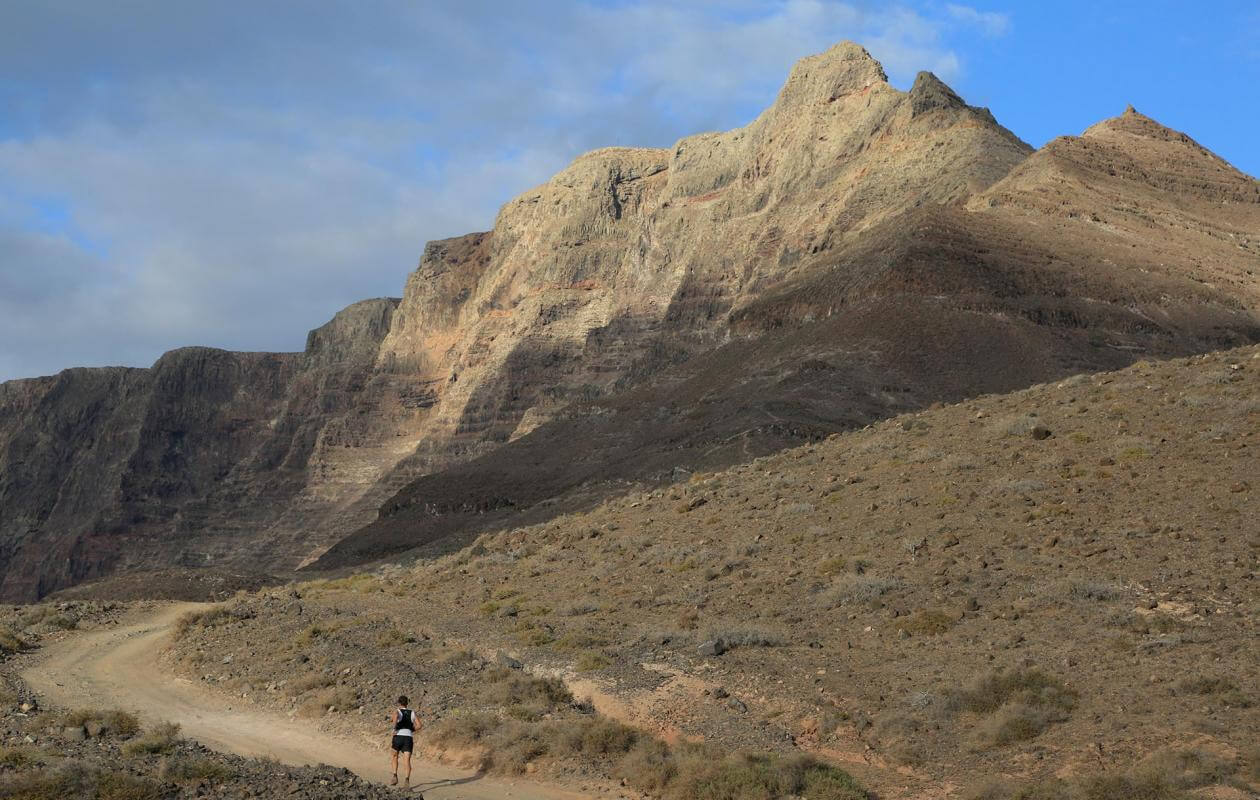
x: 113, y: 722
x: 161, y: 738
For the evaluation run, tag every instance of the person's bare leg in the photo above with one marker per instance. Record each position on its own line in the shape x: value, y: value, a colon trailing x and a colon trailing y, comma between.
x: 407, y: 764
x: 393, y: 766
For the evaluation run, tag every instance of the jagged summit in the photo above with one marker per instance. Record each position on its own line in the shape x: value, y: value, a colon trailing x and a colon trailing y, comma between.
x: 844, y: 68
x: 930, y: 93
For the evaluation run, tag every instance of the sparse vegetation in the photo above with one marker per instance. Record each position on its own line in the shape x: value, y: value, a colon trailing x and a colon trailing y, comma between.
x: 188, y: 769
x: 1018, y: 705
x: 110, y: 722
x: 927, y: 622
x: 161, y: 738
x: 590, y: 661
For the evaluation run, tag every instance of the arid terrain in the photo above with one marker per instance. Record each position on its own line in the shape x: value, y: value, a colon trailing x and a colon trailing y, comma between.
x: 861, y: 452
x: 1056, y: 582
x: 855, y: 252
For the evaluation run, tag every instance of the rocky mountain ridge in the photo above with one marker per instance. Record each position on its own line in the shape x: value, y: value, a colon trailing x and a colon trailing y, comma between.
x: 855, y: 251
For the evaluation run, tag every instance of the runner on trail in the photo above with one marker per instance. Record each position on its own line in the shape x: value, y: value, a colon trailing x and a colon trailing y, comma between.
x: 406, y: 726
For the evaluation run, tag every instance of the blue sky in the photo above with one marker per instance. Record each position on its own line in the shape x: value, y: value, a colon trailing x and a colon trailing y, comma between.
x: 231, y: 173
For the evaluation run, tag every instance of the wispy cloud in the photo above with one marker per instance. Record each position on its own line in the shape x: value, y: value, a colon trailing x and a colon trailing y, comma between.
x: 992, y: 23
x: 232, y: 175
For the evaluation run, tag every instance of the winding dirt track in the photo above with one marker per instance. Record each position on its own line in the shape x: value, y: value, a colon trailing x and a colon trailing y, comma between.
x: 118, y: 667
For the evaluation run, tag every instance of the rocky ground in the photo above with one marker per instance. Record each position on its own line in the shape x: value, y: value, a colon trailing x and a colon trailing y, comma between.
x: 1059, y: 583
x: 106, y: 753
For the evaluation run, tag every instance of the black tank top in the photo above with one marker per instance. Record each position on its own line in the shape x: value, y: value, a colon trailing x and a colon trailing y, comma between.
x: 405, y: 720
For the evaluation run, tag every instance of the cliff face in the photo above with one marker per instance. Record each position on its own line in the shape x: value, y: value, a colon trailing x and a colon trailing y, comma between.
x: 854, y: 251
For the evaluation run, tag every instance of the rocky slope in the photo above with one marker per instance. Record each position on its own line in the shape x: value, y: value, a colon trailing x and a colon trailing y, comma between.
x: 1060, y: 582
x: 854, y: 252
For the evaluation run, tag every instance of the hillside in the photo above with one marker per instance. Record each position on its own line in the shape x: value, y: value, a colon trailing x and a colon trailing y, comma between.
x: 1060, y: 582
x: 853, y: 253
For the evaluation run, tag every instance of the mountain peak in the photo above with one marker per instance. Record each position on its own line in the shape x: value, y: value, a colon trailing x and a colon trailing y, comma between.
x: 844, y: 68
x: 1135, y: 123
x: 930, y: 93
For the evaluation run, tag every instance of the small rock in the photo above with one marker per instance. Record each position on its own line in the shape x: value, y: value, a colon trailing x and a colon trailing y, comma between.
x: 735, y: 704
x: 713, y: 647
x: 93, y: 728
x: 75, y: 733
x: 27, y: 708
x: 721, y: 693
x: 505, y: 660
x: 227, y: 659
x: 1040, y: 432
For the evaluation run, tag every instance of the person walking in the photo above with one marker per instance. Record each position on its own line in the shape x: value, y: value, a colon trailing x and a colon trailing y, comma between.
x: 406, y: 726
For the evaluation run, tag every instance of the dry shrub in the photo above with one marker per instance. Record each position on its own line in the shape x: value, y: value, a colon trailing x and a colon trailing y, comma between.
x: 502, y: 686
x: 1252, y: 757
x: 644, y: 762
x: 189, y: 769
x: 1014, y: 722
x: 1223, y: 688
x: 590, y: 661
x: 1019, y: 703
x: 462, y: 730
x: 333, y: 698
x: 1188, y: 768
x: 113, y: 722
x: 852, y: 589
x: 897, y: 736
x: 759, y: 777
x: 1100, y: 787
x: 1031, y: 687
x: 200, y: 619
x: 745, y: 638
x: 10, y: 642
x: 1093, y: 591
x: 78, y: 781
x: 392, y: 637
x: 308, y: 682
x: 927, y: 622
x: 19, y: 756
x: 579, y: 640
x: 649, y: 766
x: 161, y: 738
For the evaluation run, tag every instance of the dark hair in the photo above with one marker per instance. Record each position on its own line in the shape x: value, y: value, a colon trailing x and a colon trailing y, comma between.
x: 402, y: 701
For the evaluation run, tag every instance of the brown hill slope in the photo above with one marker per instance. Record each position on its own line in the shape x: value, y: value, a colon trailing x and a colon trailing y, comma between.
x: 1060, y: 581
x: 829, y: 261
x: 1028, y: 283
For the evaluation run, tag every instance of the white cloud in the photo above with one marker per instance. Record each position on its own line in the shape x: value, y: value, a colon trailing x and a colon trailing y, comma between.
x: 991, y: 22
x: 233, y: 177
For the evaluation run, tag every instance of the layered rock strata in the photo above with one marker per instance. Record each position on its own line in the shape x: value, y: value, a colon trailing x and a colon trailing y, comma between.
x: 853, y: 252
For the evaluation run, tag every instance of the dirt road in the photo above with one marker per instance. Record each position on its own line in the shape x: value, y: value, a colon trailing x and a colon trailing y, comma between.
x: 118, y: 668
